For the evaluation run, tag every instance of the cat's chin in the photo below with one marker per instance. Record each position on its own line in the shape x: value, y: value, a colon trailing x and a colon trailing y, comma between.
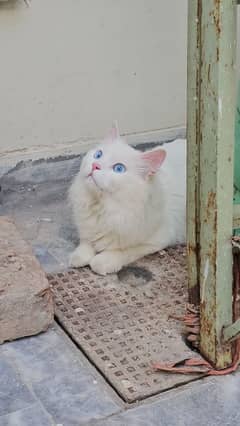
x: 92, y: 184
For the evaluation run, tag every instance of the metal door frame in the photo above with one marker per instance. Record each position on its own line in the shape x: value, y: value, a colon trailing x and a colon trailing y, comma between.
x: 211, y: 95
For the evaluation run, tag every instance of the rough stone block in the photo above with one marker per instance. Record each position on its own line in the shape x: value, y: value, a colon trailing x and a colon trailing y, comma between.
x: 26, y: 303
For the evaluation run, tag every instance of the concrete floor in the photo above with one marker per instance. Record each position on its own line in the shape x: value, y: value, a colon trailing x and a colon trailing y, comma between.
x: 46, y: 380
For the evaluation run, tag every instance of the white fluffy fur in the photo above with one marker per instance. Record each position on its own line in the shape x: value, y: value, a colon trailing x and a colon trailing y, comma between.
x: 121, y: 217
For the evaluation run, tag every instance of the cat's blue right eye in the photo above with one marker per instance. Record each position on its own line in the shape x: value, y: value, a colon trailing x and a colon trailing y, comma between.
x: 119, y: 168
x: 98, y: 154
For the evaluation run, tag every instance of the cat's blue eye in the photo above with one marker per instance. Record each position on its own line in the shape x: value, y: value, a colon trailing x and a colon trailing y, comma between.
x: 119, y: 168
x: 98, y: 154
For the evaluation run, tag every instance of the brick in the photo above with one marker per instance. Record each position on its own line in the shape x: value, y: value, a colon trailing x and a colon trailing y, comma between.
x: 26, y: 303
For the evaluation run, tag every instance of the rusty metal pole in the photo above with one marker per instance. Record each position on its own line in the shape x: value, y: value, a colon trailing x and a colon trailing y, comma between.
x: 211, y: 113
x: 217, y: 114
x: 193, y: 132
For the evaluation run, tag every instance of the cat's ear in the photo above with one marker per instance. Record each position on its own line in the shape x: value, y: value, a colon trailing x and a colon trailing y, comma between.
x: 153, y: 160
x: 113, y: 132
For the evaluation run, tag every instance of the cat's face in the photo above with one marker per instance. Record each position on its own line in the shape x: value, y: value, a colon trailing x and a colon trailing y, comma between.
x: 111, y: 166
x: 115, y: 166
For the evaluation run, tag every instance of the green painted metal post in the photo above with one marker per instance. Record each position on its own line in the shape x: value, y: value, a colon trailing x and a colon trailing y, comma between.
x: 218, y: 50
x: 236, y: 200
x: 237, y: 151
x: 211, y: 171
x: 193, y: 123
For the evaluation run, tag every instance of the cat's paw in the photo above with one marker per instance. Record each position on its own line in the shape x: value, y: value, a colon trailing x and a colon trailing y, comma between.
x: 81, y: 256
x: 106, y: 263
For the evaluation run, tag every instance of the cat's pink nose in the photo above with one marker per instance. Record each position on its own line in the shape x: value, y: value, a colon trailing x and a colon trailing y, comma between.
x: 96, y: 166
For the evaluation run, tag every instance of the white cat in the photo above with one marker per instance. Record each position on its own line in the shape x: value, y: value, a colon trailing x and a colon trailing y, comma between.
x: 127, y: 204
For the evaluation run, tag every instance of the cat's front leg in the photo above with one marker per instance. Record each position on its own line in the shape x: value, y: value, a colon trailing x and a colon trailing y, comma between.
x: 110, y: 261
x: 82, y: 255
x: 107, y: 262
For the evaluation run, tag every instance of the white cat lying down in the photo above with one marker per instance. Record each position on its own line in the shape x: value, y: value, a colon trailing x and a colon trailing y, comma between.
x: 127, y: 204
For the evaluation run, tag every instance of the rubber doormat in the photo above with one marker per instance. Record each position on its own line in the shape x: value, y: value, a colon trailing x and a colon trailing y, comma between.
x: 122, y: 321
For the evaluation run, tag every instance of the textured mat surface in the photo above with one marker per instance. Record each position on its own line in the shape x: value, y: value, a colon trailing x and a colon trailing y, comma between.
x: 122, y: 322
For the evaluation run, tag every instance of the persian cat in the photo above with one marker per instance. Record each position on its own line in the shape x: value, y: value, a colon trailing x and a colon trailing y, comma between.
x: 127, y: 204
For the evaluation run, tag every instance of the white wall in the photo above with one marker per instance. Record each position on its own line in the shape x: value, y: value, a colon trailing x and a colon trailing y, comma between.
x: 70, y: 67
